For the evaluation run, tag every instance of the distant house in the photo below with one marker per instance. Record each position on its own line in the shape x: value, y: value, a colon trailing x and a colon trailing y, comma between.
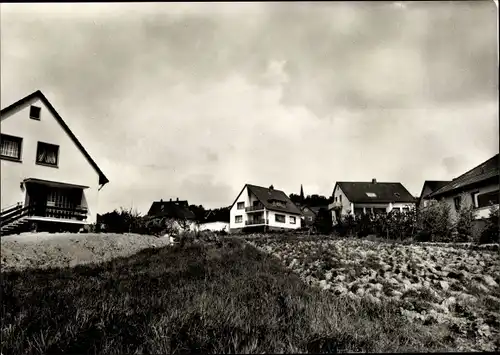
x: 479, y: 187
x: 48, y: 178
x: 429, y: 187
x: 310, y: 214
x: 176, y: 210
x: 171, y: 209
x: 369, y: 197
x: 257, y: 206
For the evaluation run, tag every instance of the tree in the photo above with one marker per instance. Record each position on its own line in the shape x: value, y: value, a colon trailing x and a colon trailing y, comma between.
x: 323, y: 222
x: 199, y: 212
x: 463, y: 226
x: 490, y: 233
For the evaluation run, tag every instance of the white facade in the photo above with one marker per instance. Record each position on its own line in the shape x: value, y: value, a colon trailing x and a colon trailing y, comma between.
x: 471, y: 198
x: 341, y: 201
x: 72, y: 167
x: 215, y: 226
x: 241, y: 216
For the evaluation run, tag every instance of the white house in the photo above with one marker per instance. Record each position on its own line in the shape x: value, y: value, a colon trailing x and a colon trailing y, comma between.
x: 263, y: 207
x: 47, y: 176
x: 479, y: 187
x: 369, y: 197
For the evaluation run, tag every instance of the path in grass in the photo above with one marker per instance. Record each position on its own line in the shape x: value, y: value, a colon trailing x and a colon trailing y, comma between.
x: 224, y: 298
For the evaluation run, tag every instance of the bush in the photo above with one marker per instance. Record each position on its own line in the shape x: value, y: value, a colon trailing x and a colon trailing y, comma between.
x: 464, y: 223
x: 323, y: 222
x: 434, y: 223
x: 490, y: 233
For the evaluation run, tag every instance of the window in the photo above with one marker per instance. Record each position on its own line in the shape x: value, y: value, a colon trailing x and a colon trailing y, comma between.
x: 279, y: 218
x: 35, y: 112
x: 371, y: 194
x: 310, y: 218
x: 335, y: 199
x: 238, y: 219
x: 396, y: 209
x: 340, y: 198
x: 47, y: 154
x: 240, y: 205
x: 11, y: 147
x: 457, y: 201
x: 487, y: 199
x: 397, y: 194
x: 292, y: 220
x: 406, y: 209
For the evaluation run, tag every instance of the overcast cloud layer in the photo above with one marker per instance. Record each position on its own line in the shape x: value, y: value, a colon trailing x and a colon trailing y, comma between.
x: 194, y: 100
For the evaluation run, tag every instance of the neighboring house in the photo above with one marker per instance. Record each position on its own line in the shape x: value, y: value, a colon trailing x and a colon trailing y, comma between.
x: 429, y: 187
x: 369, y: 197
x: 310, y: 214
x: 175, y: 210
x: 269, y: 208
x: 215, y: 226
x: 479, y: 187
x: 47, y: 176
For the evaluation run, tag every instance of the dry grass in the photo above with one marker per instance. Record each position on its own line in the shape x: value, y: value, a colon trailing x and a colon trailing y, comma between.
x: 216, y: 298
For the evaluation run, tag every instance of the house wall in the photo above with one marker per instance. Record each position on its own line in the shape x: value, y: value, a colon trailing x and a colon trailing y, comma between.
x: 308, y: 214
x: 271, y: 215
x: 480, y: 213
x: 215, y: 226
x: 73, y: 167
x: 425, y: 191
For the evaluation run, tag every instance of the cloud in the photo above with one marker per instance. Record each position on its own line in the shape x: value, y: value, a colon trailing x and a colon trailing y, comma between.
x: 194, y: 101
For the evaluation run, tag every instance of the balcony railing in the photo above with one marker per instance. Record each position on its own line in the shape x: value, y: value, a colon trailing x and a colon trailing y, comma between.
x: 78, y: 213
x: 257, y: 221
x: 335, y: 205
x: 258, y: 207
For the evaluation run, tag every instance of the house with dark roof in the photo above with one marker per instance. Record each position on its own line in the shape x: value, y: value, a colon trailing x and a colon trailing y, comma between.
x: 49, y: 180
x: 478, y: 187
x: 310, y: 213
x: 171, y: 209
x: 429, y: 187
x: 257, y: 206
x: 369, y: 197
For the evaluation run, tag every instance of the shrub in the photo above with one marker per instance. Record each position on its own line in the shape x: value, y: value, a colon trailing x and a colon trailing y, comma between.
x: 463, y: 225
x: 323, y: 222
x: 490, y: 233
x: 434, y: 223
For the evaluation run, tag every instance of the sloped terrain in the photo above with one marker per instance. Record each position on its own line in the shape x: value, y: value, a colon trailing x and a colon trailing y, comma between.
x: 433, y: 284
x: 45, y: 250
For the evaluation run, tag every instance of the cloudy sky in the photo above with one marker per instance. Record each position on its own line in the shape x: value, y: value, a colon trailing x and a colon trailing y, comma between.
x: 194, y: 100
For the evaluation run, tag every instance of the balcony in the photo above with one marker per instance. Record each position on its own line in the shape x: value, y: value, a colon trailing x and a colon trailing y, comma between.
x: 335, y: 205
x: 257, y: 222
x: 255, y: 208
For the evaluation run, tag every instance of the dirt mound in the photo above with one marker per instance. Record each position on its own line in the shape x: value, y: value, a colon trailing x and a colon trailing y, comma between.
x: 45, y: 250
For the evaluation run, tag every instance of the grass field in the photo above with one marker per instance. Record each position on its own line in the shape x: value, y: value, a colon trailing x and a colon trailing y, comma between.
x: 226, y: 298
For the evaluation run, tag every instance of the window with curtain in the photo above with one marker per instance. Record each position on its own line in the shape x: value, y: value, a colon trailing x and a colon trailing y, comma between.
x: 47, y: 154
x: 10, y: 147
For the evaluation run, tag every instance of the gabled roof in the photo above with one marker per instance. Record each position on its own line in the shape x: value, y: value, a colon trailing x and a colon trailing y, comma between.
x: 315, y: 209
x: 487, y: 170
x: 384, y: 192
x: 433, y: 185
x: 266, y: 196
x: 172, y: 209
x: 38, y: 94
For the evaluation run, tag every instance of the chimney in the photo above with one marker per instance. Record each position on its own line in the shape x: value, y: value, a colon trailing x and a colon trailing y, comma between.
x: 271, y: 188
x: 161, y: 200
x: 177, y: 199
x: 374, y: 181
x: 170, y: 200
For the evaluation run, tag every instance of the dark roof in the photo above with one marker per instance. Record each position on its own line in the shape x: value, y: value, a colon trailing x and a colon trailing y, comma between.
x: 38, y: 94
x: 434, y: 185
x: 386, y: 192
x: 172, y: 209
x: 315, y: 209
x: 266, y: 196
x: 484, y: 171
